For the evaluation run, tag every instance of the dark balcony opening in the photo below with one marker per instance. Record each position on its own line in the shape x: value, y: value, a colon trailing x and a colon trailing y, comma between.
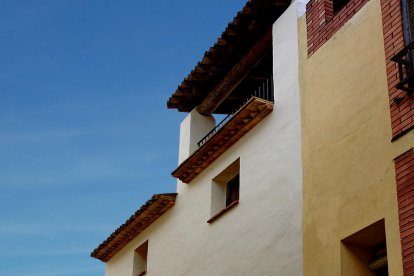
x: 258, y: 83
x: 256, y: 78
x: 264, y: 90
x: 405, y: 63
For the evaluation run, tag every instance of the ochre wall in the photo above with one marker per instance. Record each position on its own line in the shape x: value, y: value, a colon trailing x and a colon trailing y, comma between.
x: 322, y: 22
x: 348, y: 169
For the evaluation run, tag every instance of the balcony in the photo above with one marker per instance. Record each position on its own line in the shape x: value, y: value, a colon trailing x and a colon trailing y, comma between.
x: 228, y: 132
x: 405, y: 62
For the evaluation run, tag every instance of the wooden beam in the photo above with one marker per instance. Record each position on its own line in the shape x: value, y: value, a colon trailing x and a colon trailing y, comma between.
x: 233, y: 78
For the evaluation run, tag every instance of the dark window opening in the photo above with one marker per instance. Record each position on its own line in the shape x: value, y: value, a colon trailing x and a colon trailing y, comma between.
x: 379, y: 263
x: 365, y: 252
x: 338, y: 5
x: 232, y: 190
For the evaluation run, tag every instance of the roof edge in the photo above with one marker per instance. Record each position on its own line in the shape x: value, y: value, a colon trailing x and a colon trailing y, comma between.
x: 138, y: 222
x: 249, y: 25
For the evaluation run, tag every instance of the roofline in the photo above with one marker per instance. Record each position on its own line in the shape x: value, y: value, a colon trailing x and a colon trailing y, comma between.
x: 138, y: 222
x: 250, y: 24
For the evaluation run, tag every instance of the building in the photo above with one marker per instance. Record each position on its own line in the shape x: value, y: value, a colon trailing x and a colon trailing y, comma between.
x: 311, y: 172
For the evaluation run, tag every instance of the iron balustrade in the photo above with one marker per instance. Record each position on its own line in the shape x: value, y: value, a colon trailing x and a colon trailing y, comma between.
x: 265, y: 91
x: 405, y: 62
x: 214, y: 130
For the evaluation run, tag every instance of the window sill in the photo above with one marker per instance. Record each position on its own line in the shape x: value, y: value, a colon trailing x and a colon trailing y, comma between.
x: 225, y: 210
x: 142, y: 273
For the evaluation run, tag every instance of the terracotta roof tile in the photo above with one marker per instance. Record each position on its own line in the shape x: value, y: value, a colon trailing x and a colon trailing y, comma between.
x: 138, y: 222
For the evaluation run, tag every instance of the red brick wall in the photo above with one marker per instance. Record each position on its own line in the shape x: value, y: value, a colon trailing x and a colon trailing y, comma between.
x: 402, y: 113
x: 404, y: 169
x: 322, y: 23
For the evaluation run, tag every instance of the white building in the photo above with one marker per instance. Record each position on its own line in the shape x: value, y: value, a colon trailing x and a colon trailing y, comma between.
x: 238, y: 207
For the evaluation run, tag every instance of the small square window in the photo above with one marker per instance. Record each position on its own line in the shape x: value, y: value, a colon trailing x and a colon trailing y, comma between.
x: 365, y: 252
x: 225, y: 190
x: 140, y: 260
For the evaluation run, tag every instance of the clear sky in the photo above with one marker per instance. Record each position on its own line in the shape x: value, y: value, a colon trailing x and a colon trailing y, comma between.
x: 85, y: 136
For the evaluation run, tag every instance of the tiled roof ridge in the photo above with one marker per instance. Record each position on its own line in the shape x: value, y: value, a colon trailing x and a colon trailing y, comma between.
x: 132, y: 227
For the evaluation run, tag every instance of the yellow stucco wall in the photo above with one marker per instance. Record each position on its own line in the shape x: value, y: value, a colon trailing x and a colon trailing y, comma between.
x: 348, y: 169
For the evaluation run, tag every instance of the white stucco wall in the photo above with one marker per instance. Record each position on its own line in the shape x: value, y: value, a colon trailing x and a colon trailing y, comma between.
x: 192, y: 129
x: 260, y: 236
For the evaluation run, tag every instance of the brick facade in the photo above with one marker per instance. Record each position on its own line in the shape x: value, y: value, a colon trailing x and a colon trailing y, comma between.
x: 402, y: 111
x: 404, y: 169
x: 322, y: 23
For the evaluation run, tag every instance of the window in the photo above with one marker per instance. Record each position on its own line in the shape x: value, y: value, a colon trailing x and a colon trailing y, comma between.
x: 338, y: 5
x: 405, y: 57
x: 407, y: 7
x: 365, y: 252
x: 225, y: 191
x: 233, y: 188
x: 140, y: 260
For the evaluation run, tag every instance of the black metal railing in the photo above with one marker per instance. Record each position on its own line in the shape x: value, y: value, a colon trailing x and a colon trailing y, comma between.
x: 405, y: 62
x: 214, y: 130
x: 264, y: 91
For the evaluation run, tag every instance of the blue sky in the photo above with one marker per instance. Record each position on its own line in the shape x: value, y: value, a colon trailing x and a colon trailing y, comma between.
x: 85, y: 136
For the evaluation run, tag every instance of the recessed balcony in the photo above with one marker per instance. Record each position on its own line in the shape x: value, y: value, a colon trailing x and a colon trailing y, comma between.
x: 224, y: 135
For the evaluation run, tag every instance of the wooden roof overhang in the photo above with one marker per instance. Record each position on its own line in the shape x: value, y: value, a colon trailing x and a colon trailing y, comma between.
x: 254, y: 111
x: 138, y: 222
x: 251, y: 24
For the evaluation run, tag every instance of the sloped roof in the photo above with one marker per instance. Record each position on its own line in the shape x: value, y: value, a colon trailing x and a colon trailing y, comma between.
x: 138, y: 222
x: 249, y: 25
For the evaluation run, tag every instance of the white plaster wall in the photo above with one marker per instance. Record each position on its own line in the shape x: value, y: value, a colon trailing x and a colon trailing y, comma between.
x: 260, y: 236
x: 192, y: 129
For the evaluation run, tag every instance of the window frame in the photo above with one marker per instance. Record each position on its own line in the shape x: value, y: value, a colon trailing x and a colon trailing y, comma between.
x: 140, y: 266
x: 225, y: 190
